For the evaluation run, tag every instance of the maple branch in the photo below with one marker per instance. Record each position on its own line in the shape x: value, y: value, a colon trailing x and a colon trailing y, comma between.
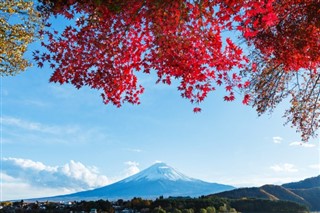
x: 201, y: 15
x: 315, y: 106
x: 298, y: 83
x: 305, y: 100
x: 307, y: 85
x: 124, y: 29
x: 185, y: 40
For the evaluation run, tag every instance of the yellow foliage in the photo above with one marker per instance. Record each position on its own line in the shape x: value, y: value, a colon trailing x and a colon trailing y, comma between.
x: 6, y: 203
x: 19, y: 23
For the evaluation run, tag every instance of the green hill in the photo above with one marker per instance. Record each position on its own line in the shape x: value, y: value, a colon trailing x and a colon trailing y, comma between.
x: 262, y: 205
x: 269, y: 192
x: 305, y: 192
x: 311, y: 195
x: 308, y: 183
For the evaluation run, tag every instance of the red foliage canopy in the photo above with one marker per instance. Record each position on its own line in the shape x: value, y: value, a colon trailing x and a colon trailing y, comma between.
x: 183, y: 39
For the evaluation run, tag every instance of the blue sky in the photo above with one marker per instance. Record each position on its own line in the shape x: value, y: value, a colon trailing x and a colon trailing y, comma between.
x: 56, y: 139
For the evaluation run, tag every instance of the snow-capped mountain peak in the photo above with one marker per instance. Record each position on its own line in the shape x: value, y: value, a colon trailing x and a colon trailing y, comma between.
x: 157, y: 180
x: 159, y: 171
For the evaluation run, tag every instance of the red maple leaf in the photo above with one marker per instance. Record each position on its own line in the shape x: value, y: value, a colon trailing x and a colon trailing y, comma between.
x: 196, y: 109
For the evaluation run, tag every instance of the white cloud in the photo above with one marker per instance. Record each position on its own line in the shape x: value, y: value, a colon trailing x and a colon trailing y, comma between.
x: 15, y: 122
x: 132, y: 168
x: 277, y: 139
x: 16, y: 189
x: 25, y: 178
x: 37, y: 127
x: 19, y: 130
x: 258, y: 180
x: 315, y: 166
x: 302, y: 144
x: 90, y: 175
x: 286, y: 167
x: 73, y: 176
x: 29, y: 164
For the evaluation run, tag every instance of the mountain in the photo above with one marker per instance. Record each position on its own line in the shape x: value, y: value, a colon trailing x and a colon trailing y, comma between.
x: 270, y: 192
x: 309, y: 189
x: 159, y: 179
x: 308, y: 183
x: 305, y: 192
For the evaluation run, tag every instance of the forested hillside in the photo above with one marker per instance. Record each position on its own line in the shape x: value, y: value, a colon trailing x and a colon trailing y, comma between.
x: 305, y: 192
x: 308, y: 183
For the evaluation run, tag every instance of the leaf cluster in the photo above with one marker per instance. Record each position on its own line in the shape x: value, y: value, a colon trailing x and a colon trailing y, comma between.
x: 183, y: 41
x: 19, y: 23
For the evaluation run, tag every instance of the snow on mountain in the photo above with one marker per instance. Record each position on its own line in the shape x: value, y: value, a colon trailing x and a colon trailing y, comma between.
x: 158, y: 171
x: 157, y: 180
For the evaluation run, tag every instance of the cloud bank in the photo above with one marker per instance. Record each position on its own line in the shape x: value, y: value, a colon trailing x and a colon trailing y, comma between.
x: 132, y: 168
x: 286, y: 167
x: 25, y: 178
x: 315, y: 166
x: 302, y: 144
x: 73, y: 175
x: 277, y: 139
x: 18, y: 130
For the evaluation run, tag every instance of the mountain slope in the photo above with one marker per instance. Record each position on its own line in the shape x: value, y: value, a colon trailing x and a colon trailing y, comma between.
x: 308, y: 183
x: 309, y: 189
x: 305, y: 192
x: 158, y: 171
x: 159, y: 179
x: 311, y: 195
x: 270, y: 192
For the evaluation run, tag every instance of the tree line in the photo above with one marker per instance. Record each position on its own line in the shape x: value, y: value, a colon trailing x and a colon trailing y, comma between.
x: 209, y: 204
